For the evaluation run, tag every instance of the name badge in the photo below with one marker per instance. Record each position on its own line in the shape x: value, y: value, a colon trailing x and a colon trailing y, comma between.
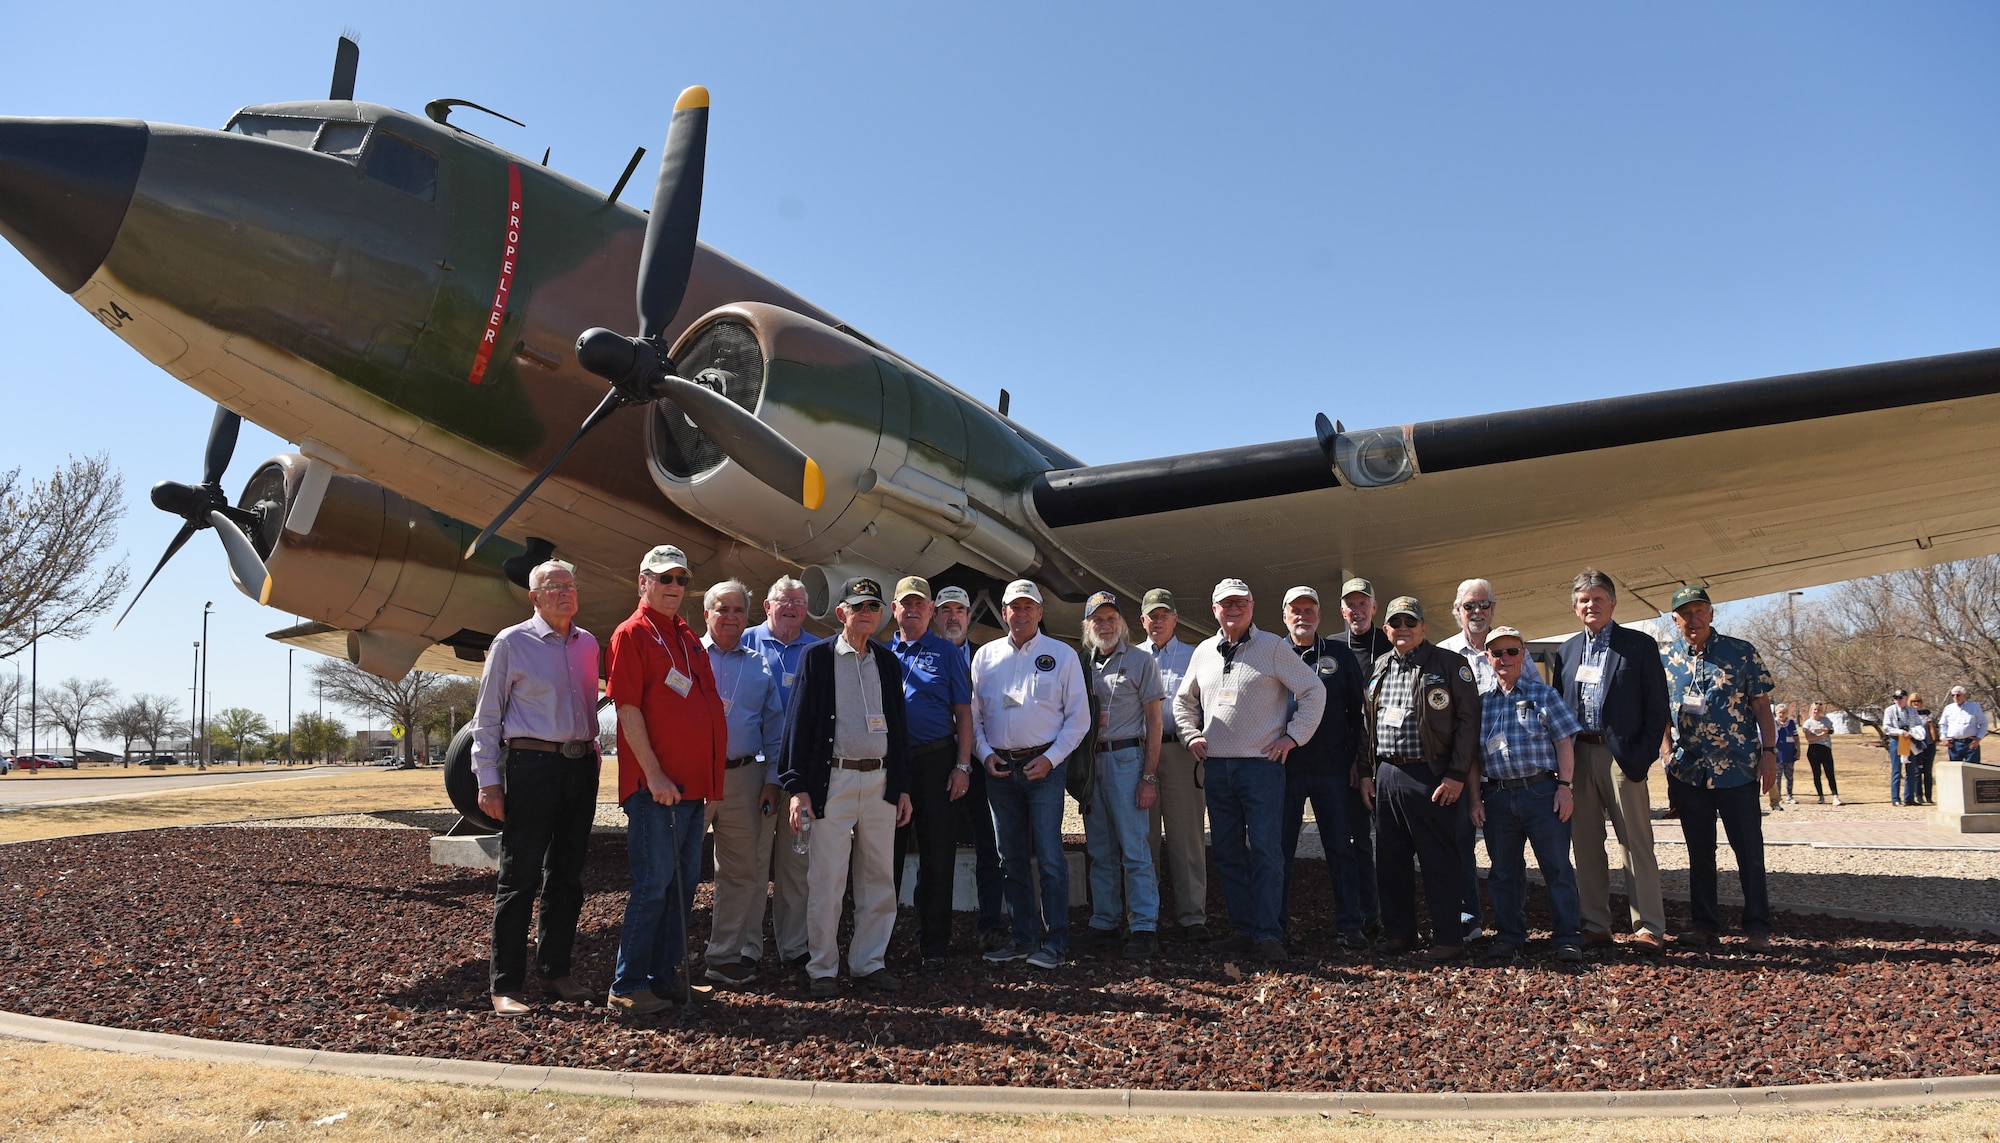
x: 728, y: 705
x: 1594, y: 673
x: 789, y: 676
x: 1225, y: 695
x: 877, y: 724
x: 1395, y: 715
x: 1497, y: 744
x: 1014, y: 698
x: 678, y: 683
x: 1694, y: 704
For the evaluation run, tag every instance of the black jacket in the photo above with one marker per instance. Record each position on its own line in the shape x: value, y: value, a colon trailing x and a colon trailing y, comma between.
x: 806, y: 765
x: 1635, y: 696
x: 1337, y: 744
x: 1448, y: 703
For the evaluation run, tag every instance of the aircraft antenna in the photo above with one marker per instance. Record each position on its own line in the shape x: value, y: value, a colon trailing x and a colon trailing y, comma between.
x: 1006, y: 399
x: 627, y: 176
x: 346, y: 61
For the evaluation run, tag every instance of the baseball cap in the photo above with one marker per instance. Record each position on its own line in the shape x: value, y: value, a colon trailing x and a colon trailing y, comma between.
x: 1021, y: 589
x: 1302, y: 593
x: 1689, y: 593
x: 666, y: 557
x: 858, y: 589
x: 1227, y: 588
x: 1101, y: 599
x: 1357, y: 584
x: 911, y: 585
x: 1506, y: 633
x: 954, y: 595
x: 1405, y: 605
x: 1157, y: 598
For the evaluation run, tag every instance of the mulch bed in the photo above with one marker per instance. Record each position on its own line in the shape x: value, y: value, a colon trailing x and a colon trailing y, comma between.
x: 350, y: 940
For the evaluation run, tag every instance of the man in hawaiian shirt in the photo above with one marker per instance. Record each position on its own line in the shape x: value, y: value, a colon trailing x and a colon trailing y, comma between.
x: 1720, y: 752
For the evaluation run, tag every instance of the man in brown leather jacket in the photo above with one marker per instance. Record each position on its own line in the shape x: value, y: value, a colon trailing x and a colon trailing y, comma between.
x: 1422, y: 715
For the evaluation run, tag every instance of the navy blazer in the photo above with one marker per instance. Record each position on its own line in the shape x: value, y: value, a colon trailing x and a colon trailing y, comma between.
x: 806, y: 765
x: 1635, y: 696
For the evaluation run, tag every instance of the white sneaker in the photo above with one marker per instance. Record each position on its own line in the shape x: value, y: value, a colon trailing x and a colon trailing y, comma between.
x: 1836, y: 799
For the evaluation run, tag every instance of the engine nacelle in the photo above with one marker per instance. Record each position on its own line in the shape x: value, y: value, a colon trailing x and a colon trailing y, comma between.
x: 918, y: 477
x: 381, y: 566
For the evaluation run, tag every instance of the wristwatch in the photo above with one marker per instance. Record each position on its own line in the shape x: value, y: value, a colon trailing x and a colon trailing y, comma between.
x: 963, y: 767
x: 1560, y: 782
x: 1150, y: 779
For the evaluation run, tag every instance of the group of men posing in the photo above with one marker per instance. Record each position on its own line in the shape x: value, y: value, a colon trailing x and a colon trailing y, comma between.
x: 808, y: 755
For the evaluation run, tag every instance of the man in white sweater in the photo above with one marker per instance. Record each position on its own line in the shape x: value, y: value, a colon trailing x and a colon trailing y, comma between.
x: 1235, y: 713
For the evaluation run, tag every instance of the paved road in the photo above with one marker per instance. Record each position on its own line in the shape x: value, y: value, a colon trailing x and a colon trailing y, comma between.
x: 18, y: 791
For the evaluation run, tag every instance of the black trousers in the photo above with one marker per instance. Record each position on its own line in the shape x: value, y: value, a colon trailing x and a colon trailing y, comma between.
x: 1820, y: 756
x: 1408, y: 825
x: 934, y: 827
x: 551, y: 801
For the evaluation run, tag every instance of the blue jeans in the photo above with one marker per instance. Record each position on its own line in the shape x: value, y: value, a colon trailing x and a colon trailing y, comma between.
x: 1328, y: 794
x: 660, y: 841
x: 1246, y: 806
x: 1122, y: 881
x: 1743, y: 821
x: 1897, y: 769
x: 1516, y: 819
x: 1027, y: 824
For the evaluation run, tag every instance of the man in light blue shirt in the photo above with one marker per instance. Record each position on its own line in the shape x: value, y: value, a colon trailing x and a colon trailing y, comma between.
x: 745, y: 820
x: 782, y: 639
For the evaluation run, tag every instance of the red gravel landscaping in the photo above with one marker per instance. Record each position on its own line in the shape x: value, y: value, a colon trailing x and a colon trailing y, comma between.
x: 350, y: 940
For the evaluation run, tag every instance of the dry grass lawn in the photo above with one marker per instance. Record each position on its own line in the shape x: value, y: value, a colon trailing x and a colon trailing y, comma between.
x: 55, y: 1092
x: 355, y: 792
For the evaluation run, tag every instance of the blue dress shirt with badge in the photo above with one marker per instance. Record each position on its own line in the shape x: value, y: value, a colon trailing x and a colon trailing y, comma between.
x: 751, y: 703
x: 1712, y: 692
x: 1519, y: 732
x: 782, y: 658
x: 1590, y: 679
x: 936, y: 677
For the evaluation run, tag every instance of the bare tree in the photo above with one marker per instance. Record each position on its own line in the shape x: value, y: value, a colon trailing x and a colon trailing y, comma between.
x: 408, y: 703
x: 453, y: 709
x: 163, y: 716
x: 73, y: 705
x: 10, y: 724
x: 53, y: 533
x: 1952, y: 611
x: 126, y: 722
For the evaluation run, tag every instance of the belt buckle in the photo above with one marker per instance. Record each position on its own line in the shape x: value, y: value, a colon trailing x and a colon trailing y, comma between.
x: 573, y: 749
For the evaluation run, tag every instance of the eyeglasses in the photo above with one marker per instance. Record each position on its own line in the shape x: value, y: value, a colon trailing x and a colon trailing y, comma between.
x: 680, y: 578
x: 1476, y: 605
x: 1404, y: 621
x: 1504, y: 652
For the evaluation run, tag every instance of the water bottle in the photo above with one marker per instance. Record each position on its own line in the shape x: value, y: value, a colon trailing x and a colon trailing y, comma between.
x: 802, y: 840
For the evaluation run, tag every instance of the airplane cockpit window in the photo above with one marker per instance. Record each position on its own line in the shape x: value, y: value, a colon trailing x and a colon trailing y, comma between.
x: 287, y: 129
x: 342, y: 139
x: 403, y: 165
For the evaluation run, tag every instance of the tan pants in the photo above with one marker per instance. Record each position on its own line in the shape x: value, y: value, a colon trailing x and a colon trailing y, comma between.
x: 859, y: 827
x: 742, y: 866
x: 1601, y: 788
x: 1181, y: 813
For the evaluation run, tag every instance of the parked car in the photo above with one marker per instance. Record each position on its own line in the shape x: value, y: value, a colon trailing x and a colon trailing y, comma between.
x: 41, y: 762
x: 6, y: 765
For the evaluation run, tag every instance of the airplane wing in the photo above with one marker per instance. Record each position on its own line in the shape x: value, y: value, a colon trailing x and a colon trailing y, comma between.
x: 1749, y: 487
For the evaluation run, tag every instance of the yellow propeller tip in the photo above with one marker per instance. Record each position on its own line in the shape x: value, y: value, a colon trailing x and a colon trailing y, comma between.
x: 815, y: 486
x: 264, y: 594
x: 696, y: 96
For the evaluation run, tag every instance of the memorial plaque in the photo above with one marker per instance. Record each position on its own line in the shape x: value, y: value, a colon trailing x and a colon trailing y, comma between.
x: 1986, y: 790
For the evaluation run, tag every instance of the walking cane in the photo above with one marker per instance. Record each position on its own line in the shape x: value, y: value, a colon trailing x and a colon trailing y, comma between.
x: 681, y: 913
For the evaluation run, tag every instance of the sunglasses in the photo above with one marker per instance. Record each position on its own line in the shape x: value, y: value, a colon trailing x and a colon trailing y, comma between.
x: 1476, y: 605
x: 1504, y: 652
x: 1404, y: 621
x: 865, y: 605
x: 680, y: 578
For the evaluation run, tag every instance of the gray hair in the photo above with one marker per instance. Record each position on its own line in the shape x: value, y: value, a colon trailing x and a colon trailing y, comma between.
x: 714, y: 595
x: 783, y: 584
x: 539, y: 577
x: 1090, y: 634
x: 1589, y: 578
x: 1467, y: 586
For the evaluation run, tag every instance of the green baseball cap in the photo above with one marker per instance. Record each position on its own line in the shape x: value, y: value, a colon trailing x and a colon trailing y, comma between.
x: 1158, y: 597
x: 1690, y: 593
x: 1357, y: 584
x: 1405, y: 605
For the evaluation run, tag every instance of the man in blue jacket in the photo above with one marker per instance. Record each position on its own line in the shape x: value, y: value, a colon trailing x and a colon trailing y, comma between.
x: 1614, y: 681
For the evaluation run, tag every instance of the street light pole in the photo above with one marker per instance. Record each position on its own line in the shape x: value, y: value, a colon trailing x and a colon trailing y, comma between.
x: 194, y: 699
x: 288, y: 706
x: 204, y: 682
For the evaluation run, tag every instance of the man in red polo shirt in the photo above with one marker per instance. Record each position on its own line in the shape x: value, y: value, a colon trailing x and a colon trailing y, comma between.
x: 673, y: 738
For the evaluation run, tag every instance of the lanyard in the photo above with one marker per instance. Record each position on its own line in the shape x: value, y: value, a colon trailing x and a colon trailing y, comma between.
x: 861, y: 684
x: 672, y: 660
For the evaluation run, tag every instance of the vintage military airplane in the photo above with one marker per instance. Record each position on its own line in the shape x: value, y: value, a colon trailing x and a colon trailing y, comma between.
x: 397, y: 296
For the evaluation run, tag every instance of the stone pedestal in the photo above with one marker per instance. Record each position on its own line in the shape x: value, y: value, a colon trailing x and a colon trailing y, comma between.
x: 1968, y: 797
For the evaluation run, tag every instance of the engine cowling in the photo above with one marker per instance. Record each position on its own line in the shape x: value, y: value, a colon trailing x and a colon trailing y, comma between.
x: 379, y: 565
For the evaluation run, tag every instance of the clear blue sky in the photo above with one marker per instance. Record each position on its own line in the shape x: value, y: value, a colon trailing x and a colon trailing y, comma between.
x: 1131, y: 215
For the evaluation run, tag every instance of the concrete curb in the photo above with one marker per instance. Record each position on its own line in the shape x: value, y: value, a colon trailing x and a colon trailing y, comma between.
x: 1015, y: 1100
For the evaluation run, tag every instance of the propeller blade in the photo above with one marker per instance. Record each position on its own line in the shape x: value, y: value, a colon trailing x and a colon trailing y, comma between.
x: 179, y: 541
x: 762, y: 451
x: 668, y: 255
x: 604, y: 409
x: 221, y: 444
x: 251, y: 574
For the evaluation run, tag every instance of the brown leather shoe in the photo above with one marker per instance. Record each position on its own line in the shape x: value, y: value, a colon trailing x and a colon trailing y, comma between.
x: 1438, y: 954
x: 1592, y: 939
x: 504, y: 1005
x: 566, y: 988
x: 640, y: 1003
x: 1648, y: 943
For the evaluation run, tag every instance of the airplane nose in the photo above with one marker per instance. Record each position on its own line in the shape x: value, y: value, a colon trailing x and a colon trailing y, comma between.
x: 64, y: 187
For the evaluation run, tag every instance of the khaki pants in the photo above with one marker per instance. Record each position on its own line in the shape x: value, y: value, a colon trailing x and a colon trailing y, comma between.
x: 742, y: 866
x: 859, y: 827
x: 1181, y: 813
x: 1601, y: 788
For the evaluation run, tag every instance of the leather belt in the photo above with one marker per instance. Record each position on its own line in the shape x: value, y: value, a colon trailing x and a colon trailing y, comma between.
x: 1104, y: 747
x: 1520, y: 783
x: 1027, y: 755
x: 934, y: 744
x: 566, y: 749
x: 738, y: 763
x: 1400, y: 760
x: 864, y: 765
x: 1961, y: 740
x: 1594, y: 738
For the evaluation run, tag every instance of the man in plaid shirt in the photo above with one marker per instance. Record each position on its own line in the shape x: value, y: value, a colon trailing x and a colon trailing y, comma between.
x: 1523, y: 796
